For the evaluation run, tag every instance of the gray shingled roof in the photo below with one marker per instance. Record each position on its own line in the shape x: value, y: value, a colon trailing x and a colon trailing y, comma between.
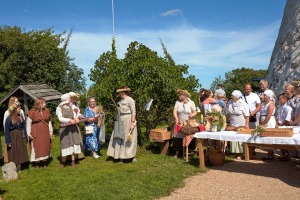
x: 35, y: 91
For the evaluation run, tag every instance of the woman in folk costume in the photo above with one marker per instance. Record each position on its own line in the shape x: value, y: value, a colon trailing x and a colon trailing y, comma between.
x: 91, y: 138
x: 11, y: 102
x: 16, y: 136
x: 39, y: 129
x: 184, y: 110
x: 123, y: 141
x: 69, y: 136
x: 77, y: 114
x: 267, y: 117
x: 238, y: 114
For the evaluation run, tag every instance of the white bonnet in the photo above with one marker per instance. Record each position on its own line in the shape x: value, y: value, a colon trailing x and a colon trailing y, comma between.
x: 237, y: 94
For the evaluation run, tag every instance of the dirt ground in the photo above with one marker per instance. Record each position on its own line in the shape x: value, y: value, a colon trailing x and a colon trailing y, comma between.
x: 255, y: 179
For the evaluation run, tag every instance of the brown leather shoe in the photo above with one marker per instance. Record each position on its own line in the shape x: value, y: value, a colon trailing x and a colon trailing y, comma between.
x: 62, y: 165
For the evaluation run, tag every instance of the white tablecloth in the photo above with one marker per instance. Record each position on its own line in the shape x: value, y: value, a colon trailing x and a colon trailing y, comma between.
x: 235, y: 137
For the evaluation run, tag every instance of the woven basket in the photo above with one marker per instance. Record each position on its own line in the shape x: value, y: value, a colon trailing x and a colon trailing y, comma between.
x: 277, y: 132
x: 189, y: 130
x: 216, y: 157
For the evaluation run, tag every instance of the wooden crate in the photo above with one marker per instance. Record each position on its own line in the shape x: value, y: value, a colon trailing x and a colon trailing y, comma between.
x: 277, y: 132
x: 160, y: 134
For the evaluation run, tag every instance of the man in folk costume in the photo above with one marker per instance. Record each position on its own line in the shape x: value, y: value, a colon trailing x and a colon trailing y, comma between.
x: 123, y: 142
x: 69, y: 136
x: 77, y: 114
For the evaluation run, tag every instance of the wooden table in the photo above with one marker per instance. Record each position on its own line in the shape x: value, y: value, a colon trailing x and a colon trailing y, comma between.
x: 249, y: 142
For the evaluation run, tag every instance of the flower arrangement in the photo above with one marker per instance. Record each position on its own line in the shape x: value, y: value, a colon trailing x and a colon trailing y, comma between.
x: 13, y: 107
x: 258, y: 130
x: 215, y: 117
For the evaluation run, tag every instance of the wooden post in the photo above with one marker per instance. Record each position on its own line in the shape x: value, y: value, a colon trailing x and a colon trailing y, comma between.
x: 25, y: 104
x: 201, y: 153
x: 186, y: 153
x: 246, y: 149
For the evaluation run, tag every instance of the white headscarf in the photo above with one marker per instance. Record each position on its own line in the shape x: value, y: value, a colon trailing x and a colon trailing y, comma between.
x: 270, y: 94
x: 237, y: 94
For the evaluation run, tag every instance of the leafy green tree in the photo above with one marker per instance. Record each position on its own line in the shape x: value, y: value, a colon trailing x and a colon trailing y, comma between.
x: 148, y: 75
x: 37, y: 57
x: 235, y: 79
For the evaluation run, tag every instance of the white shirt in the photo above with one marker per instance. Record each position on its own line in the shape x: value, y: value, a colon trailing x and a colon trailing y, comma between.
x: 78, y: 114
x: 238, y: 112
x: 284, y: 113
x: 184, y: 109
x: 252, y: 100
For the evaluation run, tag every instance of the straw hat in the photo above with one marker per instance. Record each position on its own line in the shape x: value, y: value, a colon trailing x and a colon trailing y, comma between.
x: 73, y: 94
x: 124, y: 89
x: 183, y: 92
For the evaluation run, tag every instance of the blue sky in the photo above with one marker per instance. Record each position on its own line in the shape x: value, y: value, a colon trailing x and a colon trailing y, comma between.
x: 211, y: 36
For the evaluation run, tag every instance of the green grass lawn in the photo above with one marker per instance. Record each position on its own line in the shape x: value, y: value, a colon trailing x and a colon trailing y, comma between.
x: 151, y: 177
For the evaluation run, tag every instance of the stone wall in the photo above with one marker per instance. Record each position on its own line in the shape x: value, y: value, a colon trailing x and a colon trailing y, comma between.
x: 284, y: 64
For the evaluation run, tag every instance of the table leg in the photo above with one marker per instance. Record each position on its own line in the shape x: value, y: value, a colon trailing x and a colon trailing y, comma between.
x: 251, y: 150
x: 201, y: 153
x: 246, y: 149
x: 164, y: 147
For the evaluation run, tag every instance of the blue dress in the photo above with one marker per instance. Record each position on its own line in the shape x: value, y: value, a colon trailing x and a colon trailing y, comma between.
x: 91, y: 141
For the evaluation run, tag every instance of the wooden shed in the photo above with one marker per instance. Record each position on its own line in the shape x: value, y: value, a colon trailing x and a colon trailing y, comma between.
x: 26, y: 92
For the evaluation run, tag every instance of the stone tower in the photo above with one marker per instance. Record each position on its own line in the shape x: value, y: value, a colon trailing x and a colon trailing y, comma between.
x: 284, y: 64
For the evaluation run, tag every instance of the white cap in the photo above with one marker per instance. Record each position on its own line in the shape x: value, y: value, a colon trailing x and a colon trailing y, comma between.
x: 65, y: 98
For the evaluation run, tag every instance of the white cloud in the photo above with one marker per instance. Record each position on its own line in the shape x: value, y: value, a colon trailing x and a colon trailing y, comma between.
x: 209, y: 53
x: 171, y: 12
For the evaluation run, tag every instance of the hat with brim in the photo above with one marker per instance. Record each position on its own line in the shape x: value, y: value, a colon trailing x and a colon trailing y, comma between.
x: 183, y: 92
x: 74, y: 95
x: 123, y: 90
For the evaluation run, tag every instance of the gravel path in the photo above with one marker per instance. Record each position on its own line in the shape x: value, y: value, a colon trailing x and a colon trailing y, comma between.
x: 255, y: 179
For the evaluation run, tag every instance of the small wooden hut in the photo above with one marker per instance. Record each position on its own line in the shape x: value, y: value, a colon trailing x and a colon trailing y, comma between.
x: 26, y: 92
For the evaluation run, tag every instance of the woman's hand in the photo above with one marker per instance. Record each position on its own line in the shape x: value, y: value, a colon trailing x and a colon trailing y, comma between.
x: 176, y: 121
x: 132, y: 126
x: 92, y: 119
x: 72, y: 121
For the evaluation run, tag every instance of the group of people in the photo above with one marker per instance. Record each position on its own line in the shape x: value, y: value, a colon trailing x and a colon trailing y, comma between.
x: 36, y: 130
x: 247, y: 109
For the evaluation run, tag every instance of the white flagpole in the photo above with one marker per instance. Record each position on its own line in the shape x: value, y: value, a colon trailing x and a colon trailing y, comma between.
x: 113, y: 18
